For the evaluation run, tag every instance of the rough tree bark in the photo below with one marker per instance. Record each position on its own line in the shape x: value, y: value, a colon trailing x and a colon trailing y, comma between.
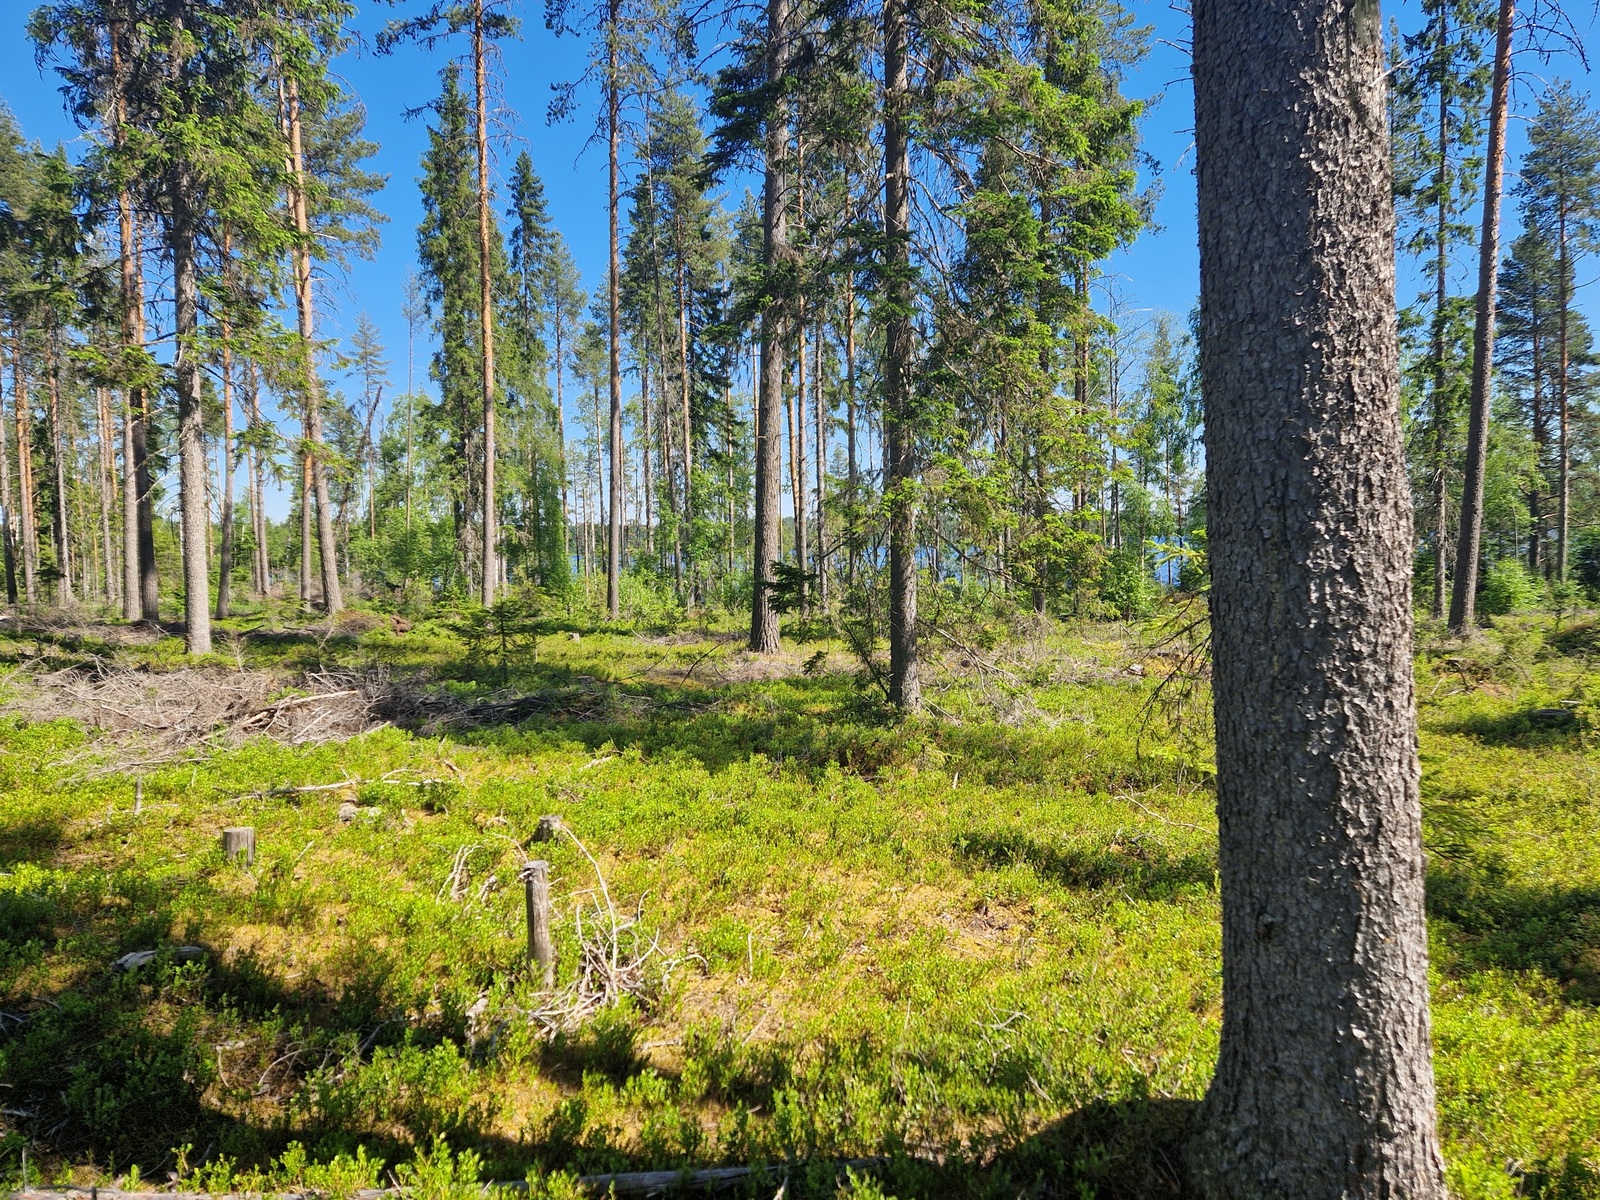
x: 905, y: 684
x: 769, y: 399
x: 1464, y: 587
x: 1324, y: 1084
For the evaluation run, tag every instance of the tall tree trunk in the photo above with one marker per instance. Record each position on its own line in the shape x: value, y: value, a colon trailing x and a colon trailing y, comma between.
x: 1441, y: 425
x: 905, y: 684
x: 23, y: 412
x: 646, y: 448
x: 327, y: 548
x: 194, y: 515
x: 852, y: 466
x: 1464, y: 587
x: 59, y: 443
x: 769, y: 402
x: 261, y: 563
x: 819, y: 399
x: 1324, y: 1087
x: 225, y: 546
x: 685, y: 521
x: 491, y: 529
x: 614, y: 305
x: 8, y: 548
x: 561, y: 459
x: 797, y: 455
x: 306, y: 501
x: 106, y: 470
x: 141, y: 587
x: 1563, y: 394
x: 1541, y: 447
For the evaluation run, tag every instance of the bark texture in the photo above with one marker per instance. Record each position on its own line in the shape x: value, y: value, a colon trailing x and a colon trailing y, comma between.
x: 1324, y: 1084
x: 1464, y: 588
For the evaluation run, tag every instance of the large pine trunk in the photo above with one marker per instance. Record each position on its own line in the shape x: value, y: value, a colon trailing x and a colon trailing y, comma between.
x: 905, y: 684
x: 769, y: 396
x: 1464, y: 587
x: 1324, y: 1084
x: 194, y: 515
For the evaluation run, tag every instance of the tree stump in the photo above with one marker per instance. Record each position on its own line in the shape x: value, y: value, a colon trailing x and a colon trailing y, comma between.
x: 239, y: 840
x: 541, y: 950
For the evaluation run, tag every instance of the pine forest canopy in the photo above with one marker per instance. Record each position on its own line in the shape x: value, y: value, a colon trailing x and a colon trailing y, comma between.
x: 788, y: 381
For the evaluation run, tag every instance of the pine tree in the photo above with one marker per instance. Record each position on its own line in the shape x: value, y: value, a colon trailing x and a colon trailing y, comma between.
x: 1440, y: 85
x: 1560, y: 189
x: 486, y: 21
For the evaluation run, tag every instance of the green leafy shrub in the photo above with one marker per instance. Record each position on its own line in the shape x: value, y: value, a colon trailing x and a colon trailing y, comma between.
x: 1508, y: 588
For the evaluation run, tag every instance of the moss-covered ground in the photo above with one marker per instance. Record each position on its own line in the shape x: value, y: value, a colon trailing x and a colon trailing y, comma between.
x: 981, y: 946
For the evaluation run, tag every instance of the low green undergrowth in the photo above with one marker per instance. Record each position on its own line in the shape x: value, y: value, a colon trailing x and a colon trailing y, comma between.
x: 980, y: 949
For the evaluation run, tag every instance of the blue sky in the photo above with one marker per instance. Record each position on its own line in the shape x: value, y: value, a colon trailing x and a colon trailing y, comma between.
x: 1160, y: 272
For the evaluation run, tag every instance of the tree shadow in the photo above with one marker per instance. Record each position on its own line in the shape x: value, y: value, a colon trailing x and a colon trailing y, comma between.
x: 1490, y: 921
x: 1525, y: 729
x: 1149, y: 872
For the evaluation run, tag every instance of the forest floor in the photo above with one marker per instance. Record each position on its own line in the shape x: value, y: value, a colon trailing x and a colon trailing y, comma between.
x: 981, y: 947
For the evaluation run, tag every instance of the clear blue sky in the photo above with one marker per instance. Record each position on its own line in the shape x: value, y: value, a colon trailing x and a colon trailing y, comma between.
x: 1159, y: 272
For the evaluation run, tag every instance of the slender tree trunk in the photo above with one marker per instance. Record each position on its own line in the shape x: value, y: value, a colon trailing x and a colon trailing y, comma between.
x: 797, y: 456
x: 24, y: 419
x: 106, y: 470
x: 1324, y: 1087
x: 686, y: 427
x: 141, y: 587
x: 62, y: 534
x: 327, y: 547
x: 774, y: 259
x: 561, y: 451
x: 194, y: 515
x: 851, y: 463
x: 491, y: 530
x: 1541, y: 444
x: 1441, y: 415
x: 819, y: 400
x: 306, y: 594
x: 1464, y: 589
x: 225, y: 549
x: 8, y: 548
x: 613, y: 146
x: 1563, y: 395
x: 905, y: 684
x: 260, y: 567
